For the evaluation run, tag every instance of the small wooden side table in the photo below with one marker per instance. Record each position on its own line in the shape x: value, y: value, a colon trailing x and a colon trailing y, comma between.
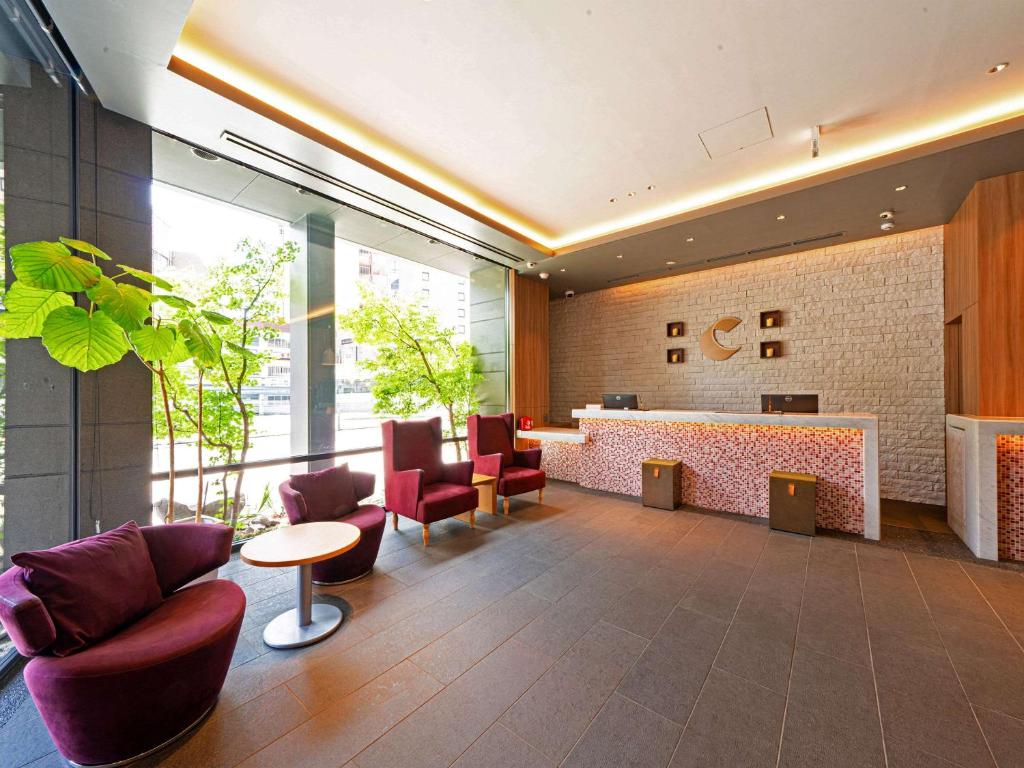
x: 488, y: 488
x: 301, y: 545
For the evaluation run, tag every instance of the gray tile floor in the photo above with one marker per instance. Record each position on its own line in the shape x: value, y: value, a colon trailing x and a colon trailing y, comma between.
x: 594, y: 632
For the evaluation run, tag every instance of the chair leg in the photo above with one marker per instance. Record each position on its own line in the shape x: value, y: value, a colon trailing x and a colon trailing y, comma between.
x: 472, y: 518
x: 426, y: 534
x: 504, y: 505
x: 540, y: 496
x: 394, y: 520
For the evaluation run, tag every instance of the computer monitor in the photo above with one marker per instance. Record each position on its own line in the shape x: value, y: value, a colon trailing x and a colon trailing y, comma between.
x: 620, y: 401
x: 789, y: 403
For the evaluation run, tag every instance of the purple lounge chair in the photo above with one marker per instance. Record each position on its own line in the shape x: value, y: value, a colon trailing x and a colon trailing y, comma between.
x: 119, y: 697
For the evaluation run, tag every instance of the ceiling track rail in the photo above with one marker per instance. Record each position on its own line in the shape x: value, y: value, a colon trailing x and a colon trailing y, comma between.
x: 298, y: 165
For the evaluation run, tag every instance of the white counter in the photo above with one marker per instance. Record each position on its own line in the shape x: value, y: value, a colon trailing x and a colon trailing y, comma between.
x: 726, y: 470
x: 972, y: 493
x: 863, y: 421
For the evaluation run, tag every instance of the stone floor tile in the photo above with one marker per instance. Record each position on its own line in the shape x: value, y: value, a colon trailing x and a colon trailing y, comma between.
x: 625, y: 735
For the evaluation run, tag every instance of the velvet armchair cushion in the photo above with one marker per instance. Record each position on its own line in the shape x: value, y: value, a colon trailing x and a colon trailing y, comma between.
x: 93, y: 586
x: 492, y: 434
x: 414, y: 445
x: 327, y: 494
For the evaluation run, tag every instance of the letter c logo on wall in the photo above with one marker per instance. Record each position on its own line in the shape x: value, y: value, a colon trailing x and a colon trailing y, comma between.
x: 709, y: 345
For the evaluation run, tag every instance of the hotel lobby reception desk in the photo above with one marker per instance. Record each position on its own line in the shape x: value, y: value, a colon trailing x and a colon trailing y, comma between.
x: 727, y: 458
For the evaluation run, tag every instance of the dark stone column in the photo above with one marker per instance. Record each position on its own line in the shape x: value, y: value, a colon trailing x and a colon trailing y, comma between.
x: 312, y: 338
x: 116, y: 403
x: 488, y: 333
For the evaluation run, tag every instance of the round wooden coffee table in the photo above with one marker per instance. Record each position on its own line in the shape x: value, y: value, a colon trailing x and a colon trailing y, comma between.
x: 301, y: 545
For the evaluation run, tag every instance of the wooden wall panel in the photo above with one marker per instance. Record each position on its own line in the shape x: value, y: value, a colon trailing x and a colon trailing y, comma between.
x: 960, y: 258
x: 1001, y: 294
x: 529, y: 347
x: 984, y: 293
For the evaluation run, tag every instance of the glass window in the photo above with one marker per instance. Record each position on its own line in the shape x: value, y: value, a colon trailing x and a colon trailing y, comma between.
x: 310, y: 388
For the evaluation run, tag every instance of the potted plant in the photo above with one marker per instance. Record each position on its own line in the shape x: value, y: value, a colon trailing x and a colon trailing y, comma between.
x: 54, y: 283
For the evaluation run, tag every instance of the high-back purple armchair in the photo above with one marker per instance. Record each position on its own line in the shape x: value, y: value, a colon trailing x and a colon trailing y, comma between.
x: 333, y: 494
x: 126, y: 694
x: 417, y: 482
x: 493, y: 449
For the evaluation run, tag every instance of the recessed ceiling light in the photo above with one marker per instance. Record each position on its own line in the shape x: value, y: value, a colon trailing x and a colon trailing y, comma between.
x: 619, y: 256
x: 689, y: 239
x: 562, y: 269
x: 202, y: 154
x: 650, y: 187
x: 531, y: 264
x: 994, y: 70
x: 781, y: 217
x: 901, y: 187
x: 543, y: 275
x: 669, y: 263
x: 631, y: 194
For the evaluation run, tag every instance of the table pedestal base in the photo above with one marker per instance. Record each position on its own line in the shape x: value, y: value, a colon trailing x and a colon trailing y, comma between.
x: 306, y: 623
x: 285, y: 631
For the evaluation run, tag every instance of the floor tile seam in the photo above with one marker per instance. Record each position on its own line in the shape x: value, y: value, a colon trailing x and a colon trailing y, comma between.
x: 871, y: 660
x: 622, y: 676
x: 984, y: 597
x: 438, y: 693
x: 949, y: 659
x: 631, y: 700
x: 426, y: 672
x: 309, y: 716
x: 792, y: 655
x: 725, y: 635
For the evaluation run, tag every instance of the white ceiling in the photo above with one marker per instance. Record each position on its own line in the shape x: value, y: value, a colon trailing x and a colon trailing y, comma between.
x: 546, y: 110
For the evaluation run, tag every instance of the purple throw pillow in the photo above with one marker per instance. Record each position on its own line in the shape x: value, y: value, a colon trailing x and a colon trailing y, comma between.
x: 329, y: 493
x: 94, y: 586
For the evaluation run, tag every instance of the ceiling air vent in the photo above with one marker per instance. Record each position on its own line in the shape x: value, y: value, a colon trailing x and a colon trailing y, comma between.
x: 777, y: 246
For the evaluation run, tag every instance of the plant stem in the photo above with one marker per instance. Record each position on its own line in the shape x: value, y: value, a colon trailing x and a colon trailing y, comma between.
x: 199, y: 451
x: 169, y: 514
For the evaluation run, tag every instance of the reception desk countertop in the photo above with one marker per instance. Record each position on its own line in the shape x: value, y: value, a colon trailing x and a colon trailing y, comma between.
x: 727, y: 457
x: 825, y: 420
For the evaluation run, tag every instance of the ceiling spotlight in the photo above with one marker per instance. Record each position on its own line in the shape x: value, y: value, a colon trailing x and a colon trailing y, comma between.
x: 900, y: 188
x: 619, y: 256
x: 998, y: 68
x: 612, y: 199
x: 650, y: 187
x: 202, y: 154
x: 631, y: 194
x: 670, y: 263
x: 531, y: 264
x: 689, y: 239
x: 543, y: 275
x: 887, y: 215
x: 887, y: 225
x: 781, y: 217
x: 562, y: 269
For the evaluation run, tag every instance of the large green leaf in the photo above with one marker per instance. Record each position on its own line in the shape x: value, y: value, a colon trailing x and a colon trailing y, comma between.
x: 84, y: 247
x: 204, y: 347
x: 154, y: 344
x: 27, y: 308
x: 78, y: 340
x: 126, y: 305
x: 173, y: 301
x: 238, y: 349
x: 53, y: 267
x: 146, y: 277
x: 216, y: 317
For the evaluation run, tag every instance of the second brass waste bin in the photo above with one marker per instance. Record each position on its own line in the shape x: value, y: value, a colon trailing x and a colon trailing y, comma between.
x: 662, y: 483
x: 791, y: 502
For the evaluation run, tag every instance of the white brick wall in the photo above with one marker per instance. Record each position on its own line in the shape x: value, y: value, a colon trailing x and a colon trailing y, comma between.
x: 862, y: 327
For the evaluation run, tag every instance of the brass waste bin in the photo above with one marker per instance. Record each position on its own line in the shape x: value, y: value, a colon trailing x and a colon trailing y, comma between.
x: 662, y: 483
x: 791, y: 502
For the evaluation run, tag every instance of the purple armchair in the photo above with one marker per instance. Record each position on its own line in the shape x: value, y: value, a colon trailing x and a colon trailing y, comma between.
x: 333, y: 494
x: 136, y: 690
x: 492, y: 447
x: 417, y: 483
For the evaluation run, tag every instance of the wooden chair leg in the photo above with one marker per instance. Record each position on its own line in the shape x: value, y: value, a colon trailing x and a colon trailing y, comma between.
x: 540, y: 496
x: 426, y: 534
x: 472, y: 518
x: 505, y: 505
x: 394, y: 520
